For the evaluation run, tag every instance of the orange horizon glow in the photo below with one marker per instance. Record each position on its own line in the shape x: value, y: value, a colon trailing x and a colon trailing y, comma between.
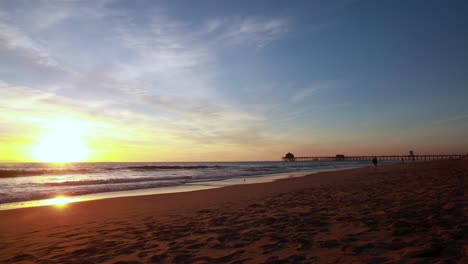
x: 76, y: 138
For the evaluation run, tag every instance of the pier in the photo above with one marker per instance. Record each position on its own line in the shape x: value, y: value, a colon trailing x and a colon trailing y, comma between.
x: 341, y: 157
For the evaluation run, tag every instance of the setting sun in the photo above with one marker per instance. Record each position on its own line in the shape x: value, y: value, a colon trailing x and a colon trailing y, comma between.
x: 63, y: 143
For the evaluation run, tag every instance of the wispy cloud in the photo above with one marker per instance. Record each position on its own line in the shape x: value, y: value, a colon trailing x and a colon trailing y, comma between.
x: 250, y: 31
x: 13, y: 40
x: 312, y: 89
x: 162, y: 46
x: 41, y: 15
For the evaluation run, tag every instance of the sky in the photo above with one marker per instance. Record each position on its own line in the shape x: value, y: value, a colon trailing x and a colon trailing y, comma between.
x: 232, y: 80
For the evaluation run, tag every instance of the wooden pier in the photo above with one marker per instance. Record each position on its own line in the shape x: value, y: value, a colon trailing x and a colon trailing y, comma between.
x: 380, y: 157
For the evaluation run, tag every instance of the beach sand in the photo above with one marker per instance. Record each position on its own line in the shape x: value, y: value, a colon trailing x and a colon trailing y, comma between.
x: 403, y: 213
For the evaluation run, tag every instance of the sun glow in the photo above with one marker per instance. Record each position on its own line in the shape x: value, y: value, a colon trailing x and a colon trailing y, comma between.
x: 63, y: 143
x: 59, y: 201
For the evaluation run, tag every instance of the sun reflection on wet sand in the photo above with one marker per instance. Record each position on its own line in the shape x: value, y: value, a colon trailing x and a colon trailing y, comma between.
x: 58, y: 201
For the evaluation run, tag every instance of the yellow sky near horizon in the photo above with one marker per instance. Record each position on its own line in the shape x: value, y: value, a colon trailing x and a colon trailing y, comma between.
x: 72, y: 140
x: 47, y: 127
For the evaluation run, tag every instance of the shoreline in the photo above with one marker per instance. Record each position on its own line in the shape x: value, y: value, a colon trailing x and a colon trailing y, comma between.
x: 187, y: 187
x: 398, y: 212
x: 183, y: 201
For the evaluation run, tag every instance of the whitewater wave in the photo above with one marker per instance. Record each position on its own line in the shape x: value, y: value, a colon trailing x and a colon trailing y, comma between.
x: 167, y: 167
x: 116, y: 180
x: 10, y: 173
x: 75, y: 190
x: 22, y: 173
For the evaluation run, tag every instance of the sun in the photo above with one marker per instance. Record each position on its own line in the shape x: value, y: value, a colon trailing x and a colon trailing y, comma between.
x: 63, y: 143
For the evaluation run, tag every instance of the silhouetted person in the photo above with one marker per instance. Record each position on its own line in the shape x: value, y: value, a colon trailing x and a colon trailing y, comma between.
x: 374, y: 161
x: 402, y: 160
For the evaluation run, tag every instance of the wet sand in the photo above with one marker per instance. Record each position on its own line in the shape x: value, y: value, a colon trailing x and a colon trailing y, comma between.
x: 405, y: 213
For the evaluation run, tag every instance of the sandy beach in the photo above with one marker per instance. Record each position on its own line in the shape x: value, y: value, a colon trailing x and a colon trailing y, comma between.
x: 404, y: 213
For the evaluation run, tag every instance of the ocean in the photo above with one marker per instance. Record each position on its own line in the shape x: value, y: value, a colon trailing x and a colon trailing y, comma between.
x: 27, y: 184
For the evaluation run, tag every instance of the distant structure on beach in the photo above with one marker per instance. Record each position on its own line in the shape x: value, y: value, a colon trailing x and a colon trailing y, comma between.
x: 341, y: 157
x: 289, y: 157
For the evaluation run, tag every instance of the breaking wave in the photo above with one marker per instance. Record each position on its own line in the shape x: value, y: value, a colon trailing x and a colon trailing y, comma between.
x: 117, y: 180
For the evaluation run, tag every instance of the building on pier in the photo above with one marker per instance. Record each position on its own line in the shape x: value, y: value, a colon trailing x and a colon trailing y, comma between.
x: 289, y: 157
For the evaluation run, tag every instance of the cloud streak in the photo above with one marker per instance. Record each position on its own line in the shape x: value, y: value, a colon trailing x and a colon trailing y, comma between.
x: 255, y: 31
x: 13, y: 40
x: 303, y: 94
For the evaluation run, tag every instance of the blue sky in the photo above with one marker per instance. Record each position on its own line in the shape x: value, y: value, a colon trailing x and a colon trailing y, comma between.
x: 236, y: 80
